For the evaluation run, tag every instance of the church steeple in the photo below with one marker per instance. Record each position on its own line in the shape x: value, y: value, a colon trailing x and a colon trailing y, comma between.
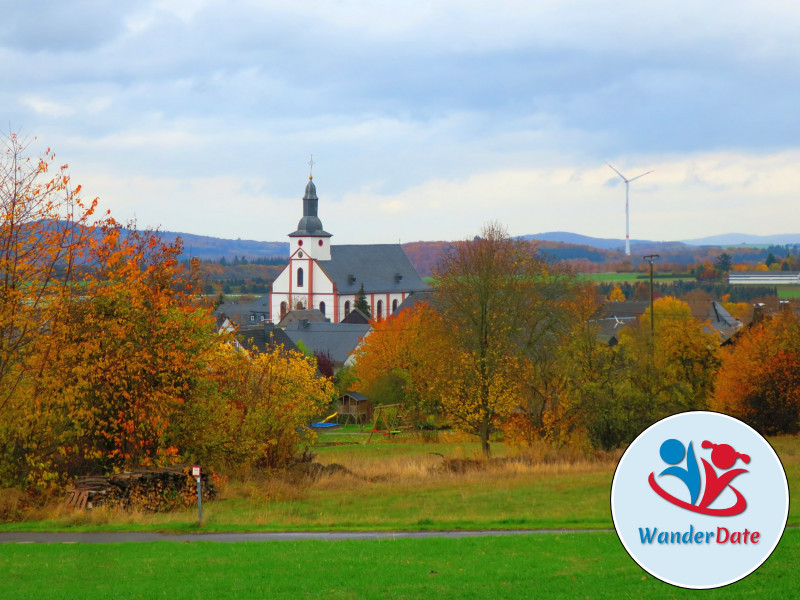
x: 310, y: 223
x: 310, y: 235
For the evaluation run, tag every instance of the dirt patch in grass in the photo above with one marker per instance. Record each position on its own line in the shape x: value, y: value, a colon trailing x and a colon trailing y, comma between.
x: 305, y: 472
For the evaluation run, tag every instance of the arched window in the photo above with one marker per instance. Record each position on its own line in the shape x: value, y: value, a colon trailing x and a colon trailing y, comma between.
x: 322, y: 308
x: 300, y: 277
x: 283, y: 309
x: 379, y: 310
x: 347, y: 308
x: 394, y: 306
x: 299, y: 306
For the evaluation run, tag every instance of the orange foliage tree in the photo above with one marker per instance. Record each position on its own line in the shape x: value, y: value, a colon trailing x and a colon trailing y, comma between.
x: 128, y: 351
x: 402, y: 361
x: 759, y: 380
x: 44, y: 227
x: 105, y: 358
x: 43, y: 230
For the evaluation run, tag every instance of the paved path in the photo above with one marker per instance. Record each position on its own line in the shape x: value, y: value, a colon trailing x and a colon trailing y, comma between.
x: 23, y: 537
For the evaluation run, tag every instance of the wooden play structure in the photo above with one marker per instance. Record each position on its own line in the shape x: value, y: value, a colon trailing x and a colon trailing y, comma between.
x: 354, y: 407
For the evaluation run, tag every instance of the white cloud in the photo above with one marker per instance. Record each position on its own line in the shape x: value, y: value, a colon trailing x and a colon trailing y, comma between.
x: 47, y: 108
x: 459, y: 110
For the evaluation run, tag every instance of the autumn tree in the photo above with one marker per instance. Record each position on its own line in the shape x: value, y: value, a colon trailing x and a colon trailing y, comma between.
x: 255, y: 411
x: 128, y: 352
x: 601, y: 400
x: 759, y: 379
x: 616, y: 295
x: 403, y: 358
x: 502, y: 306
x: 616, y: 392
x: 43, y: 230
x: 675, y: 365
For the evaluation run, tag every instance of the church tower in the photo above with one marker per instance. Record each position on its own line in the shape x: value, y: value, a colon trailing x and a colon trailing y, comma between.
x: 328, y: 278
x: 310, y: 240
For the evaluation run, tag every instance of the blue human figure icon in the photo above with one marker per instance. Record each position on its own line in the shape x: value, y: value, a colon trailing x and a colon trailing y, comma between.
x: 672, y: 453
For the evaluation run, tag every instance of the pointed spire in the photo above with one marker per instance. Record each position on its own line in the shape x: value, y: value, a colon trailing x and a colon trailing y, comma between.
x: 310, y: 223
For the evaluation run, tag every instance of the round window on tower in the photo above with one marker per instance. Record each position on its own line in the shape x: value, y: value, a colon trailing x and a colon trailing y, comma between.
x: 299, y: 242
x: 320, y: 242
x: 299, y: 255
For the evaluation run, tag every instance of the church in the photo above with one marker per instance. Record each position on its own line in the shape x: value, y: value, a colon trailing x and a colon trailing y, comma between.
x: 328, y: 277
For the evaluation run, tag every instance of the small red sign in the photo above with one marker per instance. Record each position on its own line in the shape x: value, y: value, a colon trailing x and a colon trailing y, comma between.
x: 195, y: 471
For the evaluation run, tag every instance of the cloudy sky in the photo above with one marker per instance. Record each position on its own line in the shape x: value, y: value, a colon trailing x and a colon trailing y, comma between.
x: 425, y: 119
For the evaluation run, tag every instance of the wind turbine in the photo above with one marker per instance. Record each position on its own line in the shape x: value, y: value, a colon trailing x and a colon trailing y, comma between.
x: 627, y: 211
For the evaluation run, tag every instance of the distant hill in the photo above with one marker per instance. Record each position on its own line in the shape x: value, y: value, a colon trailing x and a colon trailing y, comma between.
x: 585, y: 253
x: 740, y: 239
x: 566, y: 237
x: 211, y: 248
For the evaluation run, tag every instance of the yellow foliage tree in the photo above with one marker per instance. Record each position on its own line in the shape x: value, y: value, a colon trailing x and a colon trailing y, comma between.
x: 616, y: 295
x: 255, y: 411
x: 677, y: 366
x: 504, y: 311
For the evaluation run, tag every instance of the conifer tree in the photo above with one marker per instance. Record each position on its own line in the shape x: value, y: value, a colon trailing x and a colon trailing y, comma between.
x: 361, y: 301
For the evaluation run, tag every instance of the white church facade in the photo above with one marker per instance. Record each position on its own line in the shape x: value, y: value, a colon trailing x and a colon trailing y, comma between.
x: 328, y: 277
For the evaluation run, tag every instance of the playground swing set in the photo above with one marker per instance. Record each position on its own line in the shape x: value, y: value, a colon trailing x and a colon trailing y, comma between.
x: 387, y: 419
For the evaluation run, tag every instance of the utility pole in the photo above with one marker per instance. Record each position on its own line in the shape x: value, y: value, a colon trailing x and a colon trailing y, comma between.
x: 651, y: 258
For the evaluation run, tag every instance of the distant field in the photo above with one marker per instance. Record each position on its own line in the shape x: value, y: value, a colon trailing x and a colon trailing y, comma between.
x: 633, y: 277
x: 788, y: 292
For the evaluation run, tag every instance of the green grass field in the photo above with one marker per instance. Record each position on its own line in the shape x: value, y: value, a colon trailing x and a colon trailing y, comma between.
x: 572, y: 565
x: 788, y: 292
x: 395, y: 485
x: 633, y: 277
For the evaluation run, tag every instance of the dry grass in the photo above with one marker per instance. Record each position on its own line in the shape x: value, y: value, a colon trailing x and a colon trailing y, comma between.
x: 385, y: 485
x: 465, y: 466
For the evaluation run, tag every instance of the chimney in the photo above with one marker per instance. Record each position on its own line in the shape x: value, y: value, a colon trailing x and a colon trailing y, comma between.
x: 758, y: 313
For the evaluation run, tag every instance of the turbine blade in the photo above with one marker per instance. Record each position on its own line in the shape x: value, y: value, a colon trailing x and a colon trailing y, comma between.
x: 617, y: 172
x: 638, y: 176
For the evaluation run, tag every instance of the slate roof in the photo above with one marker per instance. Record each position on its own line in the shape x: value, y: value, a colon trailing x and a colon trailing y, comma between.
x: 338, y: 339
x: 613, y: 316
x: 263, y: 337
x: 240, y: 313
x: 357, y: 317
x: 355, y: 396
x: 380, y: 267
x: 307, y: 314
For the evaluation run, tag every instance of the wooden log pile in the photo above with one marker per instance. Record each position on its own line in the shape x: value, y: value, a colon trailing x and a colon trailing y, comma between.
x: 156, y: 490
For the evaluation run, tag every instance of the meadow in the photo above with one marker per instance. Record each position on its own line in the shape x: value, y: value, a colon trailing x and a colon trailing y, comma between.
x: 400, y: 484
x: 390, y: 484
x: 635, y: 277
x: 561, y: 565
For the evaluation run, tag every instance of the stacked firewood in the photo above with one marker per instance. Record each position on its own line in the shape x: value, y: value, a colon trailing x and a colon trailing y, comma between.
x: 157, y: 490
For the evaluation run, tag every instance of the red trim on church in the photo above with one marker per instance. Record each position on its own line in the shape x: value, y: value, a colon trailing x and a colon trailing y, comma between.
x: 335, y: 304
x: 310, y: 300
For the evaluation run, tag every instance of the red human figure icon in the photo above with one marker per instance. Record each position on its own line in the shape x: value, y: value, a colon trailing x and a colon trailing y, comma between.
x: 724, y: 457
